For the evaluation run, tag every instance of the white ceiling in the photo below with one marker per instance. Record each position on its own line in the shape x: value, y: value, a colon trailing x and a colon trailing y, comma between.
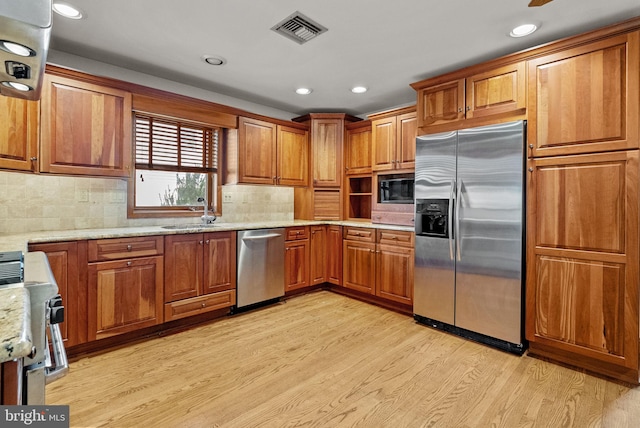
x: 384, y: 45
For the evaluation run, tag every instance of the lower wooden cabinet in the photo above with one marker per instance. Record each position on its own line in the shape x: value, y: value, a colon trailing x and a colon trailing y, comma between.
x: 68, y: 261
x: 334, y: 255
x: 318, y: 255
x: 296, y: 258
x: 200, y: 273
x: 124, y: 295
x: 379, y: 262
x: 582, y: 261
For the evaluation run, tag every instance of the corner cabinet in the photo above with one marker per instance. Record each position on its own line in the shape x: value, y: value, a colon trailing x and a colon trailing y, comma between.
x: 85, y: 128
x: 394, y: 140
x: 18, y: 134
x: 582, y: 261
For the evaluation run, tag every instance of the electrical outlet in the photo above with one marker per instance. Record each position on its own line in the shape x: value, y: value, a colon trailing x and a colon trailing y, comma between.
x: 227, y: 198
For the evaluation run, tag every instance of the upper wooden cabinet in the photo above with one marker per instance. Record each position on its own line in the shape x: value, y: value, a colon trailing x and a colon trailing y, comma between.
x: 496, y: 91
x: 357, y: 148
x: 394, y: 140
x: 18, y: 134
x: 272, y: 154
x: 86, y: 128
x: 585, y: 99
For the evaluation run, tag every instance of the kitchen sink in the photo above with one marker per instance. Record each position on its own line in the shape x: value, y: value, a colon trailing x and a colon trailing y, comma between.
x: 189, y: 226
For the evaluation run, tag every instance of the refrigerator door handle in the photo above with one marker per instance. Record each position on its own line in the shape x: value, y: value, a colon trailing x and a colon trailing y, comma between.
x: 458, y: 210
x: 450, y: 216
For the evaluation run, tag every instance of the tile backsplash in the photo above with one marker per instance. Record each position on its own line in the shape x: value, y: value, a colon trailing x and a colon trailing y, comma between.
x: 39, y: 202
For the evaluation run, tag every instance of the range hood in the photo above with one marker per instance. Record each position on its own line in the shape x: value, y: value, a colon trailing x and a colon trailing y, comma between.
x: 25, y: 29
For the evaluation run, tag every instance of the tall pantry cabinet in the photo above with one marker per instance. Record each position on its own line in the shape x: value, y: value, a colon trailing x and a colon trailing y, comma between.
x: 582, y: 204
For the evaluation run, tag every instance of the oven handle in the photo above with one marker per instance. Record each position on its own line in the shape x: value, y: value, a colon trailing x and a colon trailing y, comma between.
x: 59, y: 355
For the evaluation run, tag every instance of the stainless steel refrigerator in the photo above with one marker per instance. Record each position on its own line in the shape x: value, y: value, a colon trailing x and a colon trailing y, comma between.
x: 469, y: 195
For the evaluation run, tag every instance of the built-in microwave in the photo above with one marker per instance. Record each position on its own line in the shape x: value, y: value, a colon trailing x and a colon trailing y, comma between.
x: 394, y: 190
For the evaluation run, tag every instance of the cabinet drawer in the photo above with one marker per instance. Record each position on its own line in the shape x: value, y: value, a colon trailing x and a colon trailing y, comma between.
x: 124, y: 248
x: 295, y: 233
x: 360, y: 234
x: 198, y: 305
x: 396, y: 237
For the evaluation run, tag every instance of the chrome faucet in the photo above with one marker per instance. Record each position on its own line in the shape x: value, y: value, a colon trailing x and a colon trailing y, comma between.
x: 206, y: 218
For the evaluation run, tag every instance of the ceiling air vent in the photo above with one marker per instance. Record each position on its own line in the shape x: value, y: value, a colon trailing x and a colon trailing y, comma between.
x: 299, y: 28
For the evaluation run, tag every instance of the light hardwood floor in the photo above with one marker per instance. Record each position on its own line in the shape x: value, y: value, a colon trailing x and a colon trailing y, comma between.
x: 325, y: 360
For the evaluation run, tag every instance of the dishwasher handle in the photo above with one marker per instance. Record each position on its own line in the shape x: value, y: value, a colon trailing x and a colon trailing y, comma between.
x: 261, y: 237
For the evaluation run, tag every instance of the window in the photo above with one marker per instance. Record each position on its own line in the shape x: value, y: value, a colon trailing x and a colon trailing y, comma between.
x: 176, y: 162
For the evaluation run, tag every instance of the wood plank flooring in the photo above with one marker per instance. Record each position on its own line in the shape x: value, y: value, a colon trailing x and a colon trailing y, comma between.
x: 325, y: 360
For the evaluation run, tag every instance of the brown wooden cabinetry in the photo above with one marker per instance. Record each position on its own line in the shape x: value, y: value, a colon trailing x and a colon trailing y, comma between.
x: 379, y: 262
x: 585, y: 99
x: 357, y: 148
x: 86, y: 128
x: 200, y: 273
x: 582, y: 261
x: 18, y: 134
x: 334, y: 254
x: 68, y: 261
x: 327, y: 134
x: 394, y: 140
x: 272, y: 154
x: 296, y: 258
x: 124, y: 293
x: 318, y: 256
x: 499, y: 90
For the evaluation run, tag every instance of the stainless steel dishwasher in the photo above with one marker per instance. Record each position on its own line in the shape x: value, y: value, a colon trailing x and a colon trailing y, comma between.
x: 260, y: 266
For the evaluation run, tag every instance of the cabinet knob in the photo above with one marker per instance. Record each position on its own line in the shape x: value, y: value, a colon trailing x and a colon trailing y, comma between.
x: 530, y: 169
x: 206, y: 242
x: 373, y: 251
x: 459, y: 109
x: 129, y: 248
x: 531, y: 146
x: 468, y: 108
x: 128, y: 263
x: 203, y: 305
x: 201, y: 242
x: 33, y: 159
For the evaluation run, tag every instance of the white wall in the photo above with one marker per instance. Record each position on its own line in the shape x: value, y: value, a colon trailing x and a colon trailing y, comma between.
x: 97, y: 68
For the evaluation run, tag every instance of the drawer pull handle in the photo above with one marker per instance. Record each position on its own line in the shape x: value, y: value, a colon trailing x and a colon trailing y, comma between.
x: 203, y: 305
x: 129, y: 247
x: 128, y: 263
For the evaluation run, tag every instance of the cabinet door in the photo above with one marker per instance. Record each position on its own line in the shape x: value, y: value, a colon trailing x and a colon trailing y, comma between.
x: 383, y: 141
x: 318, y: 258
x: 394, y: 273
x: 86, y: 128
x: 359, y: 266
x: 357, y: 151
x: 496, y: 91
x: 257, y: 151
x: 293, y: 156
x: 296, y: 264
x: 582, y: 259
x: 441, y: 103
x: 585, y: 99
x: 183, y: 266
x: 326, y: 137
x: 406, y: 141
x: 219, y: 262
x: 68, y: 263
x: 334, y: 255
x: 124, y: 296
x: 18, y: 134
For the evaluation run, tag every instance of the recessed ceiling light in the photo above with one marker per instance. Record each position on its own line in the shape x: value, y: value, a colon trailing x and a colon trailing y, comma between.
x: 214, y: 60
x: 304, y: 91
x: 523, y: 30
x: 359, y: 89
x: 18, y: 86
x: 16, y: 48
x: 67, y: 10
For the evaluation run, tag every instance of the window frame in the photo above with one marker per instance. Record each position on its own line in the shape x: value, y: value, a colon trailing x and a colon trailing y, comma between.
x: 213, y: 178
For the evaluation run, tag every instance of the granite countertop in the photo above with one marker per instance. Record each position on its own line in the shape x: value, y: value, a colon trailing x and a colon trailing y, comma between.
x: 19, y: 242
x: 15, y: 324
